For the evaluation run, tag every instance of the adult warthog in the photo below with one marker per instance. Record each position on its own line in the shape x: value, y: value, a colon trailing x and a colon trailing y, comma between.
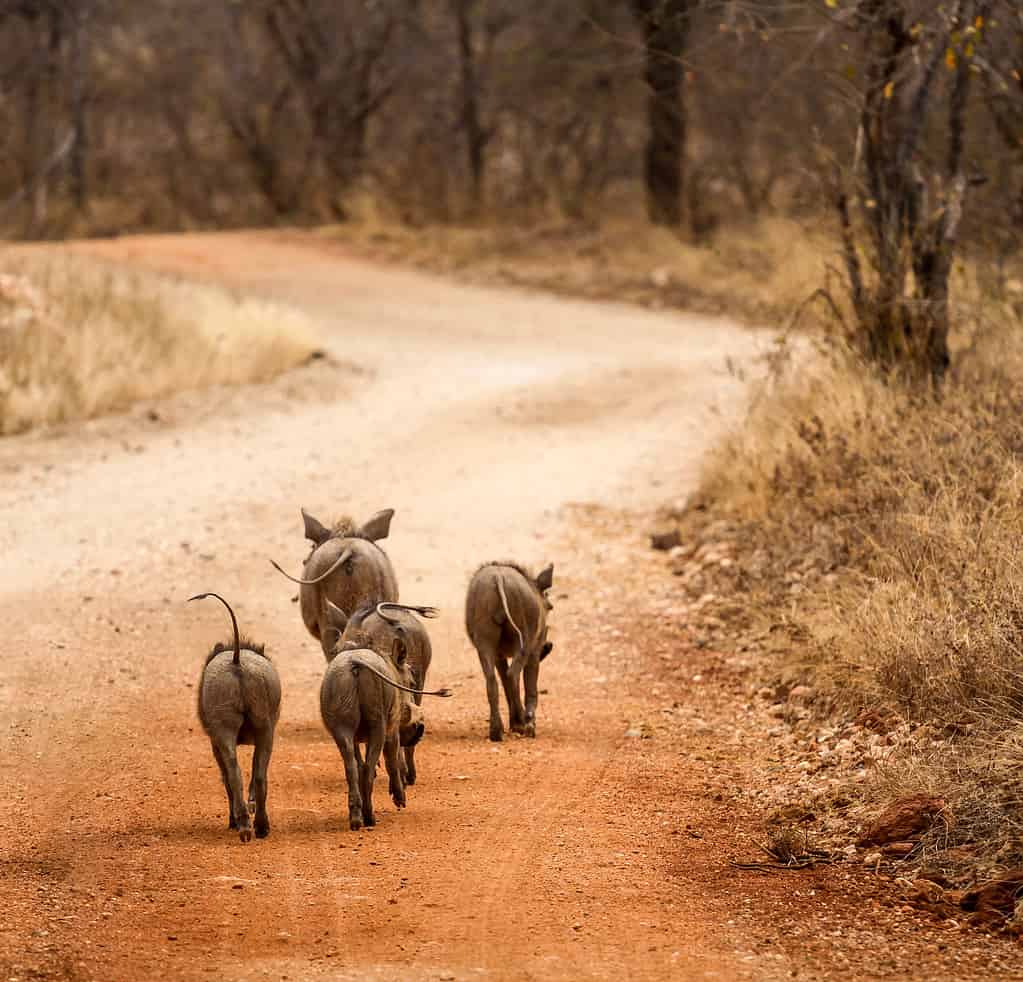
x: 239, y: 702
x: 378, y: 626
x: 506, y: 619
x: 363, y: 697
x: 346, y: 567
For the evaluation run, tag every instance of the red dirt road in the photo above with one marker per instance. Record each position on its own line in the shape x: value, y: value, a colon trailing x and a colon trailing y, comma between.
x: 496, y: 424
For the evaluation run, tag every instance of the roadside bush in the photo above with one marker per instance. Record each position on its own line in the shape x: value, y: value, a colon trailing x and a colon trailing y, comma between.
x: 878, y: 528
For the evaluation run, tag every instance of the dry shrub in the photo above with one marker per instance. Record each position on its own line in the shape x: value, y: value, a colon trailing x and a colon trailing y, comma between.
x: 78, y: 340
x: 758, y: 271
x: 879, y: 529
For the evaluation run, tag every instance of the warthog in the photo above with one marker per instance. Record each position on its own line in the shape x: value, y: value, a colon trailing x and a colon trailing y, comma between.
x: 345, y: 567
x: 239, y: 702
x: 363, y: 697
x: 506, y: 619
x: 377, y: 626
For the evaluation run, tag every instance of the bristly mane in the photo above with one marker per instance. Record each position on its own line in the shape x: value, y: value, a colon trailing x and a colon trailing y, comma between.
x: 351, y: 532
x: 518, y: 567
x: 356, y: 640
x: 246, y: 644
x: 342, y: 528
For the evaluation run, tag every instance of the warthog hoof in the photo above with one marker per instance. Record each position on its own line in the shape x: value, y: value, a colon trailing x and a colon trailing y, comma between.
x: 262, y: 830
x: 496, y: 733
x: 232, y: 822
x: 398, y: 797
x: 529, y: 729
x: 245, y: 834
x: 369, y: 820
x: 410, y: 777
x: 355, y: 819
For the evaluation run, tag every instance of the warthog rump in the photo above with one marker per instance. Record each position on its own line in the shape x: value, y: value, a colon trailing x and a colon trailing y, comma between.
x: 378, y: 626
x: 240, y: 702
x: 362, y: 700
x: 506, y: 620
x: 345, y: 567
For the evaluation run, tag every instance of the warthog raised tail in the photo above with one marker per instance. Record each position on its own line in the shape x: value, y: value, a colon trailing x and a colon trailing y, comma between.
x: 239, y: 702
x: 506, y: 619
x: 345, y: 567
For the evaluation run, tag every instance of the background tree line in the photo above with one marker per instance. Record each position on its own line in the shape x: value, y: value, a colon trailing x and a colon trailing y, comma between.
x: 902, y: 119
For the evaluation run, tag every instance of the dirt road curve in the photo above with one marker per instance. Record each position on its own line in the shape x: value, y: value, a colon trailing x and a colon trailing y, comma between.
x: 496, y: 424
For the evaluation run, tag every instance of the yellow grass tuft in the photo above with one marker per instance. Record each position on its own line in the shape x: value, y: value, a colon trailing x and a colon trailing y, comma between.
x: 78, y: 340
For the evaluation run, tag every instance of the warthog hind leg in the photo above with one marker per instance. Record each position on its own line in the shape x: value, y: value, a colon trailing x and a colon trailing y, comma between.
x: 346, y: 745
x: 374, y: 745
x: 531, y: 675
x: 258, y: 787
x: 226, y: 751
x: 232, y: 822
x: 488, y: 659
x: 392, y: 760
x: 410, y: 766
x: 510, y: 684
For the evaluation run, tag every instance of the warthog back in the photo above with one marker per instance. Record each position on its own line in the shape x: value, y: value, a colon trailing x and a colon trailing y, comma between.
x: 346, y: 567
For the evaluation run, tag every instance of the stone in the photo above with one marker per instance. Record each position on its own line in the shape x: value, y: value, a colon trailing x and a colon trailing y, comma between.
x: 802, y: 693
x: 898, y: 850
x: 925, y: 891
x: 994, y: 901
x: 666, y: 540
x: 904, y: 820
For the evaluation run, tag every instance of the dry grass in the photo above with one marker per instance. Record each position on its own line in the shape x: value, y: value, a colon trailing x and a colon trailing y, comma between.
x: 758, y: 272
x: 878, y: 532
x: 79, y: 340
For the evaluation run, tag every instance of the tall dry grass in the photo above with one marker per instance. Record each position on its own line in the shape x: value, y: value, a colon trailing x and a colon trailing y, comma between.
x: 78, y: 340
x: 758, y: 271
x: 879, y: 529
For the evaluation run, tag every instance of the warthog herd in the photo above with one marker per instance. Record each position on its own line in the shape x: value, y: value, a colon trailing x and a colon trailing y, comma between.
x: 378, y: 654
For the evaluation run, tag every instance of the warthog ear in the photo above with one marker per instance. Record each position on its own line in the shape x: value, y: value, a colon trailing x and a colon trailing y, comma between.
x: 546, y: 579
x: 336, y: 617
x: 378, y: 526
x: 314, y: 530
x: 398, y: 652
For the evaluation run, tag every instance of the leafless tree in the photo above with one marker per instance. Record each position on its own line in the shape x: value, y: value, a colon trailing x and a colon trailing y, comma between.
x: 903, y: 207
x: 665, y: 29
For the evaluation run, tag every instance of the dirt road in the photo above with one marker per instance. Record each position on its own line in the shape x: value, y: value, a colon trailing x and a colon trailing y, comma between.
x: 496, y: 424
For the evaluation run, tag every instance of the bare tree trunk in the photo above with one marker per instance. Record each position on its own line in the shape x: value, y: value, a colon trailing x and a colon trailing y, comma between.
x: 911, y: 217
x: 665, y: 25
x: 80, y: 50
x: 475, y: 135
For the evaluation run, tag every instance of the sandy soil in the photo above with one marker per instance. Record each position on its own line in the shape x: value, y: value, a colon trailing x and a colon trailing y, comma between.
x: 496, y: 424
